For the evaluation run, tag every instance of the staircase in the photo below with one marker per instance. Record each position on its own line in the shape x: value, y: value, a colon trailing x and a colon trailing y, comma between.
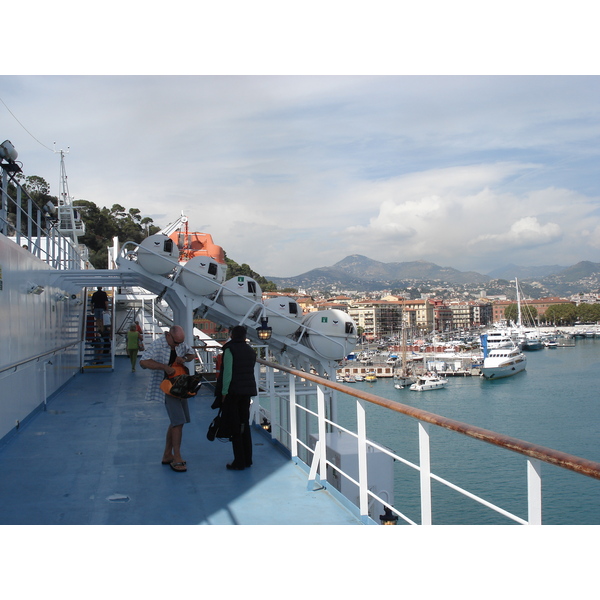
x: 97, y: 347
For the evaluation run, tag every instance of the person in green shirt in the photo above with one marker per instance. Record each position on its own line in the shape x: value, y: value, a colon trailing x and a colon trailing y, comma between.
x: 133, y: 345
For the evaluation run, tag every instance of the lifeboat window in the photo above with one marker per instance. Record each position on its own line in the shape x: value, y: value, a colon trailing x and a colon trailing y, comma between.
x: 349, y: 328
x: 212, y: 269
x: 293, y: 308
x: 168, y: 246
x: 252, y: 287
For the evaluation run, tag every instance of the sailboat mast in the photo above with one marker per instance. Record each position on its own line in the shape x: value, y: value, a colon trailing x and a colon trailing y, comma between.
x: 518, y: 303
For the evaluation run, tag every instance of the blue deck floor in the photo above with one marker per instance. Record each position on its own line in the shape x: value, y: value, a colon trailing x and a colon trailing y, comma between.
x: 94, y: 458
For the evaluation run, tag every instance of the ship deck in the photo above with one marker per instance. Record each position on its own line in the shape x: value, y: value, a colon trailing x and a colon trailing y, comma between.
x: 93, y: 457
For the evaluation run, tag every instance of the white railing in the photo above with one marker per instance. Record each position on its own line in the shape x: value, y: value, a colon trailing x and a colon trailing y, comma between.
x: 301, y: 407
x: 22, y: 219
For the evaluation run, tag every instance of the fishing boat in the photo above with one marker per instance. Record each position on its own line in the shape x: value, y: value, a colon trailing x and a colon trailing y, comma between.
x: 429, y: 381
x: 503, y: 362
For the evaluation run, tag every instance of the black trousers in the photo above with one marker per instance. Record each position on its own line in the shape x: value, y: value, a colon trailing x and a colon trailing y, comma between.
x: 241, y: 440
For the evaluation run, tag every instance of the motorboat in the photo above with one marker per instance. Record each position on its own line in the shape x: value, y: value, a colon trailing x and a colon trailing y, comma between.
x: 499, y: 338
x: 503, y: 362
x: 402, y: 381
x: 429, y: 381
x: 370, y: 377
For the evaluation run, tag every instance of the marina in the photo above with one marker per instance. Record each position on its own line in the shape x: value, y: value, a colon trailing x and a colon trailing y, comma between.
x: 552, y: 403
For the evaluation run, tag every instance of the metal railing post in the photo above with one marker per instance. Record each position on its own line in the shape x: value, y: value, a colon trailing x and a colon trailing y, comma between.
x: 534, y: 491
x: 275, y: 411
x: 322, y: 458
x: 293, y: 417
x: 363, y: 482
x: 425, y: 473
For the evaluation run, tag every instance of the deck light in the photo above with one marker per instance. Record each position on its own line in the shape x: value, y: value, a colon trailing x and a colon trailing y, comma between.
x: 264, y: 331
x: 8, y: 152
x: 265, y: 424
x: 388, y: 518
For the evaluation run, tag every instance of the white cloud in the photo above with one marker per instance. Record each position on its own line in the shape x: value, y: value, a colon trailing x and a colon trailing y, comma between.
x: 526, y: 232
x: 294, y: 173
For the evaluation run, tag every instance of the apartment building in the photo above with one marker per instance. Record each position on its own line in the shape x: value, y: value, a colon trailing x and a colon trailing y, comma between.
x: 499, y: 307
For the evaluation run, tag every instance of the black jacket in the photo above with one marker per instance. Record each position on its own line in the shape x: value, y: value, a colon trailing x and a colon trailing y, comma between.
x: 243, y: 382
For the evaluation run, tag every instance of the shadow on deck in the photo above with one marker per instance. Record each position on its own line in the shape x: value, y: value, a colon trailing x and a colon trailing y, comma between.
x: 93, y: 457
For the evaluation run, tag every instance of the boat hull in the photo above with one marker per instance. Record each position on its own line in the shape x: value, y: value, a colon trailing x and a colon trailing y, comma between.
x: 501, y: 371
x: 427, y: 384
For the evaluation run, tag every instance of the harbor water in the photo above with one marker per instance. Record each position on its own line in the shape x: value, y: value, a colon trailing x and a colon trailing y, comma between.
x: 554, y: 403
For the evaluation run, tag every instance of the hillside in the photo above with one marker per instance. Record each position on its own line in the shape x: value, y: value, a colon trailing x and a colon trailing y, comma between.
x: 360, y: 273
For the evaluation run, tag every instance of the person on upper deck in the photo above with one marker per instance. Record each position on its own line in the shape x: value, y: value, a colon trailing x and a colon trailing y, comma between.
x: 165, y: 351
x: 236, y: 385
x: 99, y: 304
x: 133, y: 344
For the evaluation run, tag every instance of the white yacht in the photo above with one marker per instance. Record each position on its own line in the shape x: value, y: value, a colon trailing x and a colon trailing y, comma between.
x: 499, y: 338
x: 503, y: 362
x: 427, y: 382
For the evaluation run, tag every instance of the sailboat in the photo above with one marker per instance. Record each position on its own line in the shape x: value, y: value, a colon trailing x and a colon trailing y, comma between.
x: 403, y: 376
x: 527, y: 338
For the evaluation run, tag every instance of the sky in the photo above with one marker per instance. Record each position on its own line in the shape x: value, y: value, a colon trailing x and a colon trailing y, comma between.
x: 294, y: 171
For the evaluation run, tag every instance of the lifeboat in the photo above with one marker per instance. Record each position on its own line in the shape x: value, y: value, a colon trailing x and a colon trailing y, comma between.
x: 196, y: 243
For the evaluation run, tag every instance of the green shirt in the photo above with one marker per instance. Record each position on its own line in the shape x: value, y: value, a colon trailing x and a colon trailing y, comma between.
x: 227, y: 370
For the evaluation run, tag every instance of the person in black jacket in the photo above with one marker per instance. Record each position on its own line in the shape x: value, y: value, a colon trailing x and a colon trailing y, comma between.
x: 236, y: 385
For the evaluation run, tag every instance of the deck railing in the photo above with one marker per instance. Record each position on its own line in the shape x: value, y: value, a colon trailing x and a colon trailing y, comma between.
x: 285, y: 391
x: 31, y: 226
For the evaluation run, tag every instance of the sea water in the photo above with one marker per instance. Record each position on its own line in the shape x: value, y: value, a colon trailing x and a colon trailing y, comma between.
x: 555, y: 403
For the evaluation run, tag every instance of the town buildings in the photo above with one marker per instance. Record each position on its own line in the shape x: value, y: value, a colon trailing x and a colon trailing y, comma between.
x: 384, y: 317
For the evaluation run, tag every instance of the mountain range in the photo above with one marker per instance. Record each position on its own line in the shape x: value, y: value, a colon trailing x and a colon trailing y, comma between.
x: 360, y: 273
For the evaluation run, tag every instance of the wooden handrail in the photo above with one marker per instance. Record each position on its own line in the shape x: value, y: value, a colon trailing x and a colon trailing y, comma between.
x: 547, y: 455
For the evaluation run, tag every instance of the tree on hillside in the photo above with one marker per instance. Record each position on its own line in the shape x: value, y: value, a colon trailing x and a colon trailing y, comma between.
x: 103, y: 224
x: 234, y: 270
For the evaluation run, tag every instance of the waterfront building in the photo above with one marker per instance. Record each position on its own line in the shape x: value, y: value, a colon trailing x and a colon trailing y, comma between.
x: 467, y: 314
x: 379, y: 318
x: 541, y: 305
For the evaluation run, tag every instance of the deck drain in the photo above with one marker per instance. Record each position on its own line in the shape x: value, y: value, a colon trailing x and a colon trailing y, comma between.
x: 118, y: 498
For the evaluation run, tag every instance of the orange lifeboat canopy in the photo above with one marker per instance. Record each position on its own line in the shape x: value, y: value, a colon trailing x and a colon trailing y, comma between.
x: 195, y: 243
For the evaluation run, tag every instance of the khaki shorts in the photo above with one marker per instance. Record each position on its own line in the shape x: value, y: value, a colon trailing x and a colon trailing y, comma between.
x: 178, y: 410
